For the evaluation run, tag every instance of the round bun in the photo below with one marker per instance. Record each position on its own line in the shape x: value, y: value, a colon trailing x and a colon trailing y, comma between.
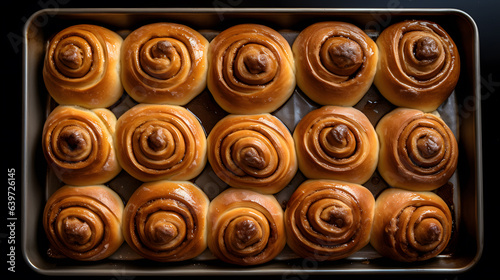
x: 410, y: 226
x: 419, y: 65
x: 336, y: 143
x: 78, y: 145
x: 167, y: 221
x: 83, y: 223
x: 252, y: 151
x: 164, y: 63
x: 329, y: 220
x: 82, y: 66
x: 245, y: 227
x: 160, y: 142
x: 251, y: 69
x: 418, y: 151
x: 336, y: 62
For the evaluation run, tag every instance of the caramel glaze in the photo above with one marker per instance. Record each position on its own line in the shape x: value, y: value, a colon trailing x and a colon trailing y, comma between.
x: 410, y: 226
x: 335, y: 62
x: 245, y: 227
x: 419, y: 65
x: 82, y: 65
x: 418, y: 151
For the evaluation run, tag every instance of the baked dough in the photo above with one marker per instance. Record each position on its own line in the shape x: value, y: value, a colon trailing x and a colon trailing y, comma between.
x: 245, y: 227
x: 329, y: 220
x: 335, y: 62
x: 410, y: 226
x: 336, y: 143
x: 251, y: 69
x: 167, y: 221
x: 83, y: 222
x: 78, y: 145
x: 164, y: 63
x: 82, y: 66
x: 160, y: 142
x: 418, y: 151
x: 419, y: 65
x: 253, y: 152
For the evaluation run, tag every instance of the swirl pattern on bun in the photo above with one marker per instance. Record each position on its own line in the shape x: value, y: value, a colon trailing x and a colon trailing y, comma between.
x: 82, y: 66
x: 164, y: 63
x: 419, y: 65
x: 251, y: 69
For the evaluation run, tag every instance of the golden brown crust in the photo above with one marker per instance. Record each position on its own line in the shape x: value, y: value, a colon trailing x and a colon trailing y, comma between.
x: 78, y: 145
x: 252, y: 151
x: 82, y: 66
x: 418, y: 151
x: 419, y: 65
x: 410, y: 226
x: 336, y: 62
x: 337, y: 143
x: 84, y: 223
x: 167, y: 221
x: 245, y: 227
x: 251, y: 69
x: 164, y: 63
x: 329, y: 220
x: 157, y: 142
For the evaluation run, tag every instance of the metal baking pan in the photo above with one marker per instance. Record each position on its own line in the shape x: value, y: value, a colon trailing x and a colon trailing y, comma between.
x: 461, y: 111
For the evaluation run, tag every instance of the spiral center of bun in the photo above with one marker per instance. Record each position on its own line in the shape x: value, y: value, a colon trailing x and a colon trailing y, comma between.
x: 74, y: 143
x: 428, y: 231
x: 256, y: 62
x: 246, y: 231
x: 336, y: 216
x: 342, y: 56
x: 162, y: 49
x: 76, y: 231
x: 164, y: 232
x: 338, y: 135
x: 338, y: 141
x: 160, y: 58
x: 255, y: 65
x: 429, y: 145
x: 426, y: 49
x: 157, y: 140
x: 252, y: 158
x: 71, y: 56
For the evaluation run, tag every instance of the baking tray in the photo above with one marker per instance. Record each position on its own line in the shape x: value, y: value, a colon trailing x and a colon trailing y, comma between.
x: 461, y: 111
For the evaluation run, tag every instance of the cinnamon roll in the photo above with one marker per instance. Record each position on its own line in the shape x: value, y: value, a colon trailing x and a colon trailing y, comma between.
x: 164, y: 63
x: 418, y: 151
x: 245, y: 227
x: 166, y: 221
x: 419, y: 65
x: 84, y: 223
x: 251, y: 69
x: 329, y: 220
x: 410, y: 226
x: 252, y: 151
x: 336, y: 62
x: 78, y: 145
x: 337, y: 143
x: 160, y: 142
x: 82, y: 65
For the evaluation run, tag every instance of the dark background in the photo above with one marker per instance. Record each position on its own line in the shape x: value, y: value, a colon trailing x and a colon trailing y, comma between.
x: 484, y: 12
